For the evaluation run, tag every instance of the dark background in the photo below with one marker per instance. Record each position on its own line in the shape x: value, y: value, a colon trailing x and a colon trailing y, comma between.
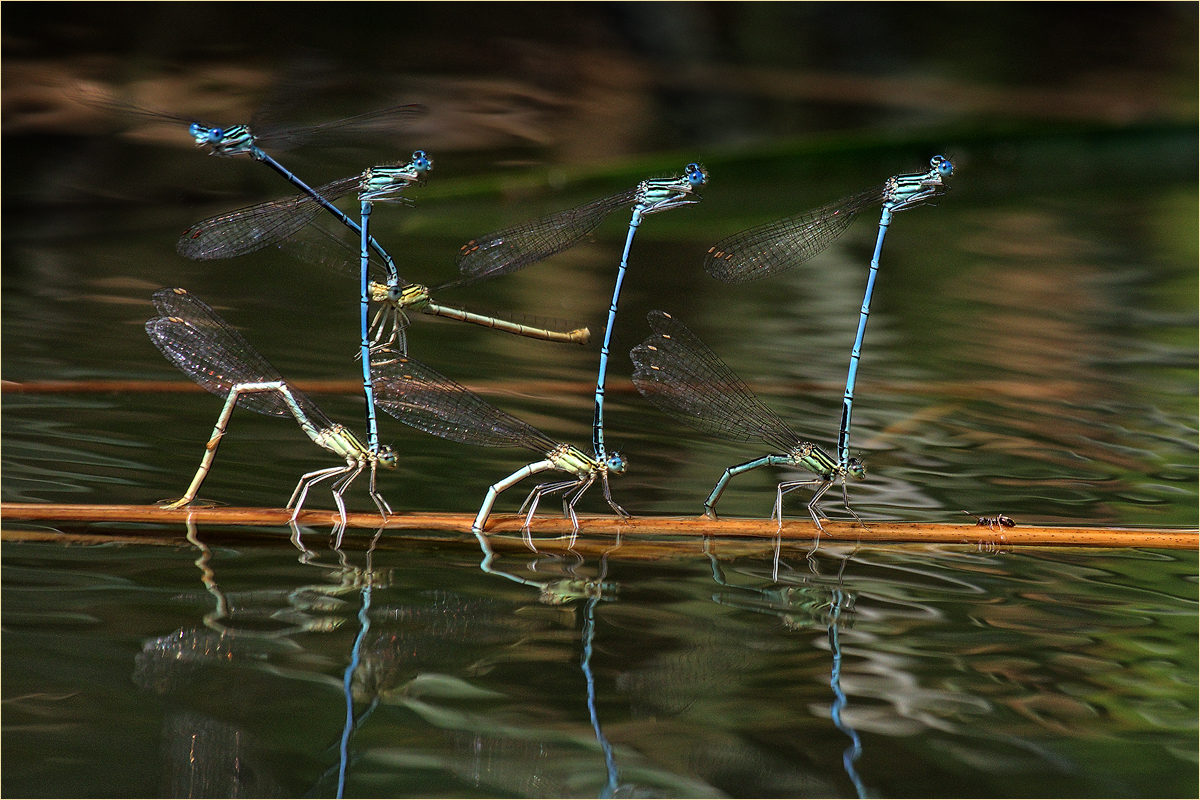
x: 572, y: 83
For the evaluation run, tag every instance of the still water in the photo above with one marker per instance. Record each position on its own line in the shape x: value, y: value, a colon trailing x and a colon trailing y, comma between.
x: 219, y: 670
x: 1031, y: 351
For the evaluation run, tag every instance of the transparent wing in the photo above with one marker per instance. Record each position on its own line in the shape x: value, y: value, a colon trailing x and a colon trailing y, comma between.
x: 780, y: 245
x: 512, y: 248
x: 680, y: 375
x: 422, y: 397
x: 204, y: 347
x: 246, y: 230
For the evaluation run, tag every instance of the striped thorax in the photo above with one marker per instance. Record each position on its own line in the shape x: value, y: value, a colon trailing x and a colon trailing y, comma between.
x: 907, y: 191
x: 231, y: 141
x: 385, y: 183
x: 572, y: 460
x: 413, y: 296
x: 339, y: 440
x: 823, y: 465
x: 660, y: 194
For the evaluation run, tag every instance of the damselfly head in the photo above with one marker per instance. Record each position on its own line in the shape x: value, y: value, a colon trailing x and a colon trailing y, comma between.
x: 386, y: 457
x: 943, y: 166
x: 205, y: 135
x: 616, y: 463
x: 421, y: 162
x: 696, y: 175
x: 855, y: 468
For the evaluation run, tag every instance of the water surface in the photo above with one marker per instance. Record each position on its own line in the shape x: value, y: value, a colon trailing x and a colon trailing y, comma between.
x: 1031, y: 351
x: 219, y: 669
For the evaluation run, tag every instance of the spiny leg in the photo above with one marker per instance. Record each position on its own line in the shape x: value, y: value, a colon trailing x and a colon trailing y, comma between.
x: 620, y: 512
x: 310, y: 480
x: 341, y: 484
x: 570, y: 498
x: 301, y: 490
x: 394, y: 318
x: 788, y: 486
x: 846, y: 503
x: 384, y: 507
x: 378, y: 327
x: 531, y: 502
x: 535, y: 495
x: 812, y: 509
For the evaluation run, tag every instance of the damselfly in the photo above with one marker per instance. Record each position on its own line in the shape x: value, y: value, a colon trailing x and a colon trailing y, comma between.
x: 772, y: 248
x: 679, y: 374
x: 518, y: 246
x: 423, y: 398
x: 286, y: 223
x: 205, y: 348
x: 242, y: 140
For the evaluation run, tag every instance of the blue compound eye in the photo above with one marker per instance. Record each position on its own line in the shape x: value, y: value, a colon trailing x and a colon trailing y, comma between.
x: 695, y: 174
x: 616, y: 463
x: 421, y: 160
x: 943, y: 165
x: 394, y: 293
x: 205, y: 135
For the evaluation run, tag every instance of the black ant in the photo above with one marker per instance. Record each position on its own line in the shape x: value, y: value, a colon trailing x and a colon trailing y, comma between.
x: 996, y: 523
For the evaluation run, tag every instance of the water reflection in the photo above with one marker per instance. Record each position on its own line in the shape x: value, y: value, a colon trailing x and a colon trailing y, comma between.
x: 879, y: 659
x: 560, y: 591
x: 589, y: 633
x: 889, y: 670
x: 1032, y: 351
x: 823, y: 602
x: 1040, y: 362
x: 210, y: 757
x: 838, y: 603
x: 405, y: 655
x: 364, y: 623
x: 206, y: 757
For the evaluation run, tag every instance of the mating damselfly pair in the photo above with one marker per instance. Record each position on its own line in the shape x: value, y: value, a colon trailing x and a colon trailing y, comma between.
x: 673, y: 368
